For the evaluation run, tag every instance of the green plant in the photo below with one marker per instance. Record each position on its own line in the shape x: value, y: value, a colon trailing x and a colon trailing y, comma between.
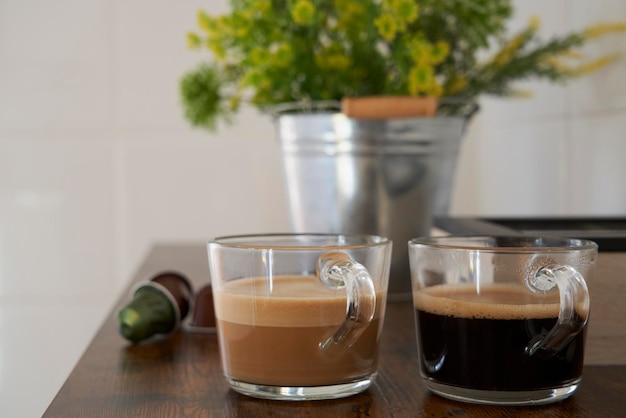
x: 275, y: 51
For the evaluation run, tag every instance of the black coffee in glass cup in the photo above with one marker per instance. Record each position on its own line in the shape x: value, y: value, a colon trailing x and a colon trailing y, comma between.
x: 501, y: 320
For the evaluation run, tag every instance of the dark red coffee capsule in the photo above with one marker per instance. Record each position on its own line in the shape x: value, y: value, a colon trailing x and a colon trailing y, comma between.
x: 203, y: 316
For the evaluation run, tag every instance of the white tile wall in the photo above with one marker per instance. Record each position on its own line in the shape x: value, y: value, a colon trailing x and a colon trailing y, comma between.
x: 515, y: 169
x: 56, y: 218
x: 605, y: 93
x: 96, y: 162
x: 150, y: 57
x: 566, y: 128
x: 40, y: 343
x: 54, y: 65
x: 596, y: 179
x: 202, y: 187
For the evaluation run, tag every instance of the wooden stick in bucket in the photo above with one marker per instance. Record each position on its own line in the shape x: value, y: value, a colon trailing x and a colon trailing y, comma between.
x: 385, y: 107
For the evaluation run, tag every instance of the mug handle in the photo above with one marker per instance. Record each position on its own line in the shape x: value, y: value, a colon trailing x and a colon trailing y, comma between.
x: 337, y: 270
x: 574, y: 307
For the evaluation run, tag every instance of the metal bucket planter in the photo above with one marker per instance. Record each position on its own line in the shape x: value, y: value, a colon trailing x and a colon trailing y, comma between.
x: 385, y: 177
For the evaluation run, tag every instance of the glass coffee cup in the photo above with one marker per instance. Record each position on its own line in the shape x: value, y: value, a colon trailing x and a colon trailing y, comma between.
x: 501, y: 320
x: 299, y: 316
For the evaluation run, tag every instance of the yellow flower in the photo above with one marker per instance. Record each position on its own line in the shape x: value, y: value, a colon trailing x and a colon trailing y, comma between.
x: 602, y: 29
x: 435, y: 90
x: 259, y: 57
x: 521, y: 94
x: 350, y: 14
x: 205, y: 22
x: 439, y: 52
x: 193, y: 41
x: 332, y: 61
x: 572, y: 55
x: 252, y: 78
x: 216, y: 48
x: 406, y: 10
x: 348, y: 7
x: 387, y: 27
x: 559, y: 65
x: 456, y: 84
x: 582, y: 69
x: 234, y: 102
x: 533, y: 24
x: 242, y: 31
x: 420, y: 50
x: 303, y: 12
x: 509, y: 50
x: 595, y: 65
x: 421, y: 78
x: 333, y: 57
x: 423, y: 52
x: 261, y: 6
x: 283, y: 55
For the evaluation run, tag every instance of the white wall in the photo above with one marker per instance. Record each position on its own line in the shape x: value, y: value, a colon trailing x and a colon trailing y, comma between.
x: 561, y: 152
x: 97, y: 163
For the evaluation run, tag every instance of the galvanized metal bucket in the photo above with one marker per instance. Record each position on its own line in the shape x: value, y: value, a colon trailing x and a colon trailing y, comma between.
x: 384, y: 177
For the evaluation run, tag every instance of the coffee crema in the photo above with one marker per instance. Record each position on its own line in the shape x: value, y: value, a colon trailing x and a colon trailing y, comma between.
x: 270, y: 333
x: 478, y: 339
x: 495, y: 301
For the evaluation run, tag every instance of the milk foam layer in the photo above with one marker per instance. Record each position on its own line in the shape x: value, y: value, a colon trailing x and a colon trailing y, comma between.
x: 285, y: 301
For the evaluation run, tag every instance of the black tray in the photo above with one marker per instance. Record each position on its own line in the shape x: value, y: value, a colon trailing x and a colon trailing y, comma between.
x: 608, y: 233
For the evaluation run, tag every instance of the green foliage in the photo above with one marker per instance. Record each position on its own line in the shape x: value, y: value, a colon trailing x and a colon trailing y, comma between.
x: 275, y: 51
x: 203, y: 100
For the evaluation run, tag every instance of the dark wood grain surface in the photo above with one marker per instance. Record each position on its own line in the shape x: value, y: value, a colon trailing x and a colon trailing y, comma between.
x: 180, y: 375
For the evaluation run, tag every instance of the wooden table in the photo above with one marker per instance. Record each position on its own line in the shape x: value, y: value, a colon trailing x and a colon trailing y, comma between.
x: 181, y: 376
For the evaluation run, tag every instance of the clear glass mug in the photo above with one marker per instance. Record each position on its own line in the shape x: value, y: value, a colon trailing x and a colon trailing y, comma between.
x: 299, y: 316
x: 501, y: 320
